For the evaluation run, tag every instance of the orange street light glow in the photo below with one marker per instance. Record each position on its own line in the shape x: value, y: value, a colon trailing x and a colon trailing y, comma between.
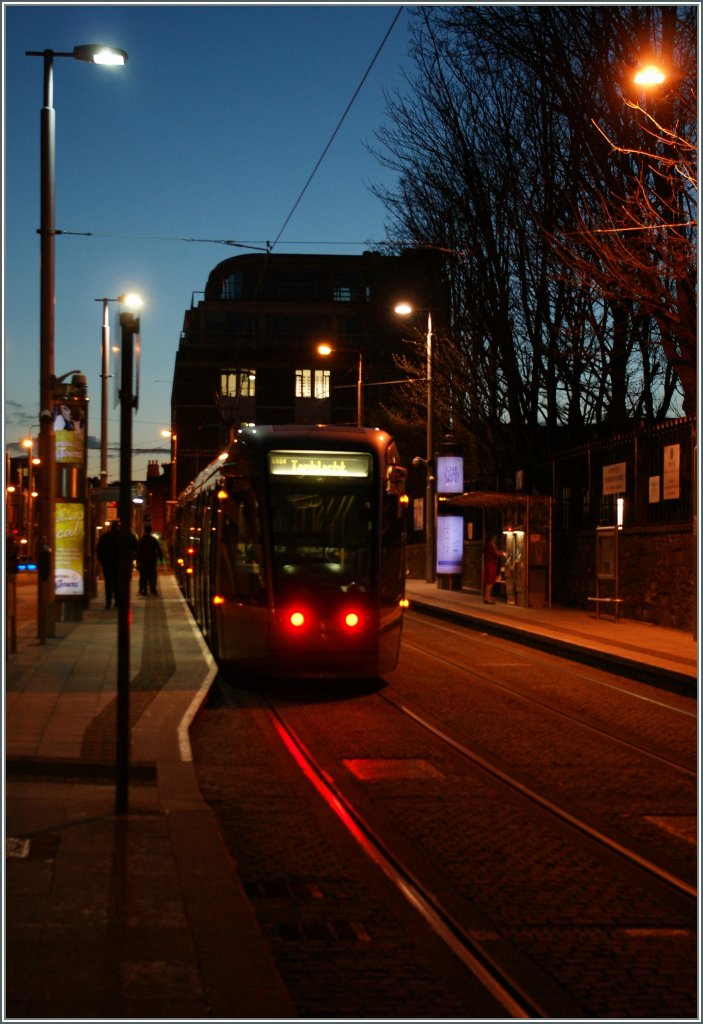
x: 650, y: 75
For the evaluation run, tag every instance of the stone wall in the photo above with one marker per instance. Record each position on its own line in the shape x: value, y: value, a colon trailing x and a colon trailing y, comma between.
x: 657, y: 569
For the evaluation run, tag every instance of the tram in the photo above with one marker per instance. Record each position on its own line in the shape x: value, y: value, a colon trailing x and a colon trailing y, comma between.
x: 290, y: 550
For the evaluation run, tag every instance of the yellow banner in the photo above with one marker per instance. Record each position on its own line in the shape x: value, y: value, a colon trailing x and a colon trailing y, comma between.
x: 70, y: 541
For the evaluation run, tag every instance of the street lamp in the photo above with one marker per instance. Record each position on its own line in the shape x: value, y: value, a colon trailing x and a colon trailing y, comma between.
x: 129, y: 323
x: 327, y: 350
x: 96, y: 54
x: 104, y: 377
x: 174, y: 461
x: 405, y: 309
x: 651, y: 74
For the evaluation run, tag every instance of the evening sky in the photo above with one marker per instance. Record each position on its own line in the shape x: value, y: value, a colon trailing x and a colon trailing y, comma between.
x: 210, y: 132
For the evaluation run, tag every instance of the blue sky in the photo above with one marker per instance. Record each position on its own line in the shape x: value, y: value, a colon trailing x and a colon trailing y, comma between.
x: 210, y: 132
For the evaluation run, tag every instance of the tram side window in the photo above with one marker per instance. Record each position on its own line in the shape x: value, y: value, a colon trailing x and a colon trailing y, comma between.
x: 240, y: 569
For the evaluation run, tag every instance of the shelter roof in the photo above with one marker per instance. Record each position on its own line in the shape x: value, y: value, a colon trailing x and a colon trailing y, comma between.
x: 497, y: 499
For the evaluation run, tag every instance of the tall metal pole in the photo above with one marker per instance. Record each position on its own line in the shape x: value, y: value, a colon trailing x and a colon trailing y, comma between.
x: 46, y: 619
x: 104, y: 376
x: 360, y: 394
x: 130, y: 326
x: 429, y: 491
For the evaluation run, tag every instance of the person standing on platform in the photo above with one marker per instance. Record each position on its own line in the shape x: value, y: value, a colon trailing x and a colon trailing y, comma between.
x: 491, y: 563
x: 149, y: 553
x: 107, y: 550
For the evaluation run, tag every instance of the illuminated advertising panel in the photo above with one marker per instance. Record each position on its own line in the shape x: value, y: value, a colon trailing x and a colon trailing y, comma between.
x: 450, y: 544
x: 339, y: 465
x: 70, y: 540
x: 450, y: 474
x: 69, y: 431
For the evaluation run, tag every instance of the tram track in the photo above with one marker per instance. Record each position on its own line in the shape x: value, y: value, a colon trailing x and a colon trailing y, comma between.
x: 519, y: 819
x: 532, y: 794
x: 597, y: 728
x: 475, y: 956
x: 524, y: 992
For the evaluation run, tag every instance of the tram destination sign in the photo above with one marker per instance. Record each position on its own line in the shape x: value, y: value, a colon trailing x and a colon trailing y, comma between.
x: 340, y: 465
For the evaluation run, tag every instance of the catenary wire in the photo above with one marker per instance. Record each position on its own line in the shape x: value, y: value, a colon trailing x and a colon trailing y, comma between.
x: 339, y: 125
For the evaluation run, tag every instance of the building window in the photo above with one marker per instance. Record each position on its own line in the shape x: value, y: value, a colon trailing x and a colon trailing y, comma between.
x: 312, y: 383
x: 233, y: 286
x: 351, y: 289
x: 236, y: 383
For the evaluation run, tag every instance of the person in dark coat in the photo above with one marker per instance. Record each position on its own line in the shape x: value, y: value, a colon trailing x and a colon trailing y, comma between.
x: 107, y: 550
x: 149, y: 553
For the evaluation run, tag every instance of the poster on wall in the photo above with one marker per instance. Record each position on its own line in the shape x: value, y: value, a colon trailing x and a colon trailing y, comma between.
x: 70, y: 540
x: 614, y: 478
x: 69, y: 431
x: 672, y: 460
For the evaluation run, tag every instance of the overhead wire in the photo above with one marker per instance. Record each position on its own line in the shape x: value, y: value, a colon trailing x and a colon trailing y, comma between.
x: 260, y: 245
x: 269, y: 246
x: 339, y: 125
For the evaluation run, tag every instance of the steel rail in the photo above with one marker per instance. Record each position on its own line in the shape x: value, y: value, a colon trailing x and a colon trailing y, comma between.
x: 679, y: 884
x: 479, y: 962
x: 528, y: 699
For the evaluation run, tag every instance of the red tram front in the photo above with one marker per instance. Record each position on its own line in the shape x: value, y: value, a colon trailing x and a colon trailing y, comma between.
x: 291, y: 552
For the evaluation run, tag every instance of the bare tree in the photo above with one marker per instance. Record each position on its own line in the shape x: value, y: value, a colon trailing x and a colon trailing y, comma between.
x: 499, y: 161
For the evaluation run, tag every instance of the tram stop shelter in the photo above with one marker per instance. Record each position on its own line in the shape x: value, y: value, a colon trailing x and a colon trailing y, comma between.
x: 523, y: 522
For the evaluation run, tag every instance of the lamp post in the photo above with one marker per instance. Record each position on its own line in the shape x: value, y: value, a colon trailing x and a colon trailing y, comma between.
x: 327, y: 350
x: 96, y: 54
x: 174, y: 461
x: 405, y: 309
x: 129, y: 323
x: 104, y: 377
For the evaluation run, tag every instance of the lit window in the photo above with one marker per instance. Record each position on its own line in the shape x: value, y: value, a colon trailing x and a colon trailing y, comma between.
x: 312, y: 383
x: 322, y: 384
x: 303, y: 383
x: 235, y: 383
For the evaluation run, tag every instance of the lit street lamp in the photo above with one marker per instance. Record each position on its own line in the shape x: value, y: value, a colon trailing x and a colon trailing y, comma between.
x: 96, y: 54
x: 649, y: 75
x: 327, y: 350
x: 405, y: 309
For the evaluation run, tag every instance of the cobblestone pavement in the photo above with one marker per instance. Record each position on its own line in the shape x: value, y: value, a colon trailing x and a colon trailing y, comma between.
x: 616, y: 944
x: 346, y: 944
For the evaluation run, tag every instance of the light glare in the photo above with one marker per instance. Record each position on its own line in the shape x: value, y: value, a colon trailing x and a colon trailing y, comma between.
x: 650, y: 75
x: 112, y: 58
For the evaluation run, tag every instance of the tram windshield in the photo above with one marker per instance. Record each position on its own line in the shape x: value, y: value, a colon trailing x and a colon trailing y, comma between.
x: 322, y: 519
